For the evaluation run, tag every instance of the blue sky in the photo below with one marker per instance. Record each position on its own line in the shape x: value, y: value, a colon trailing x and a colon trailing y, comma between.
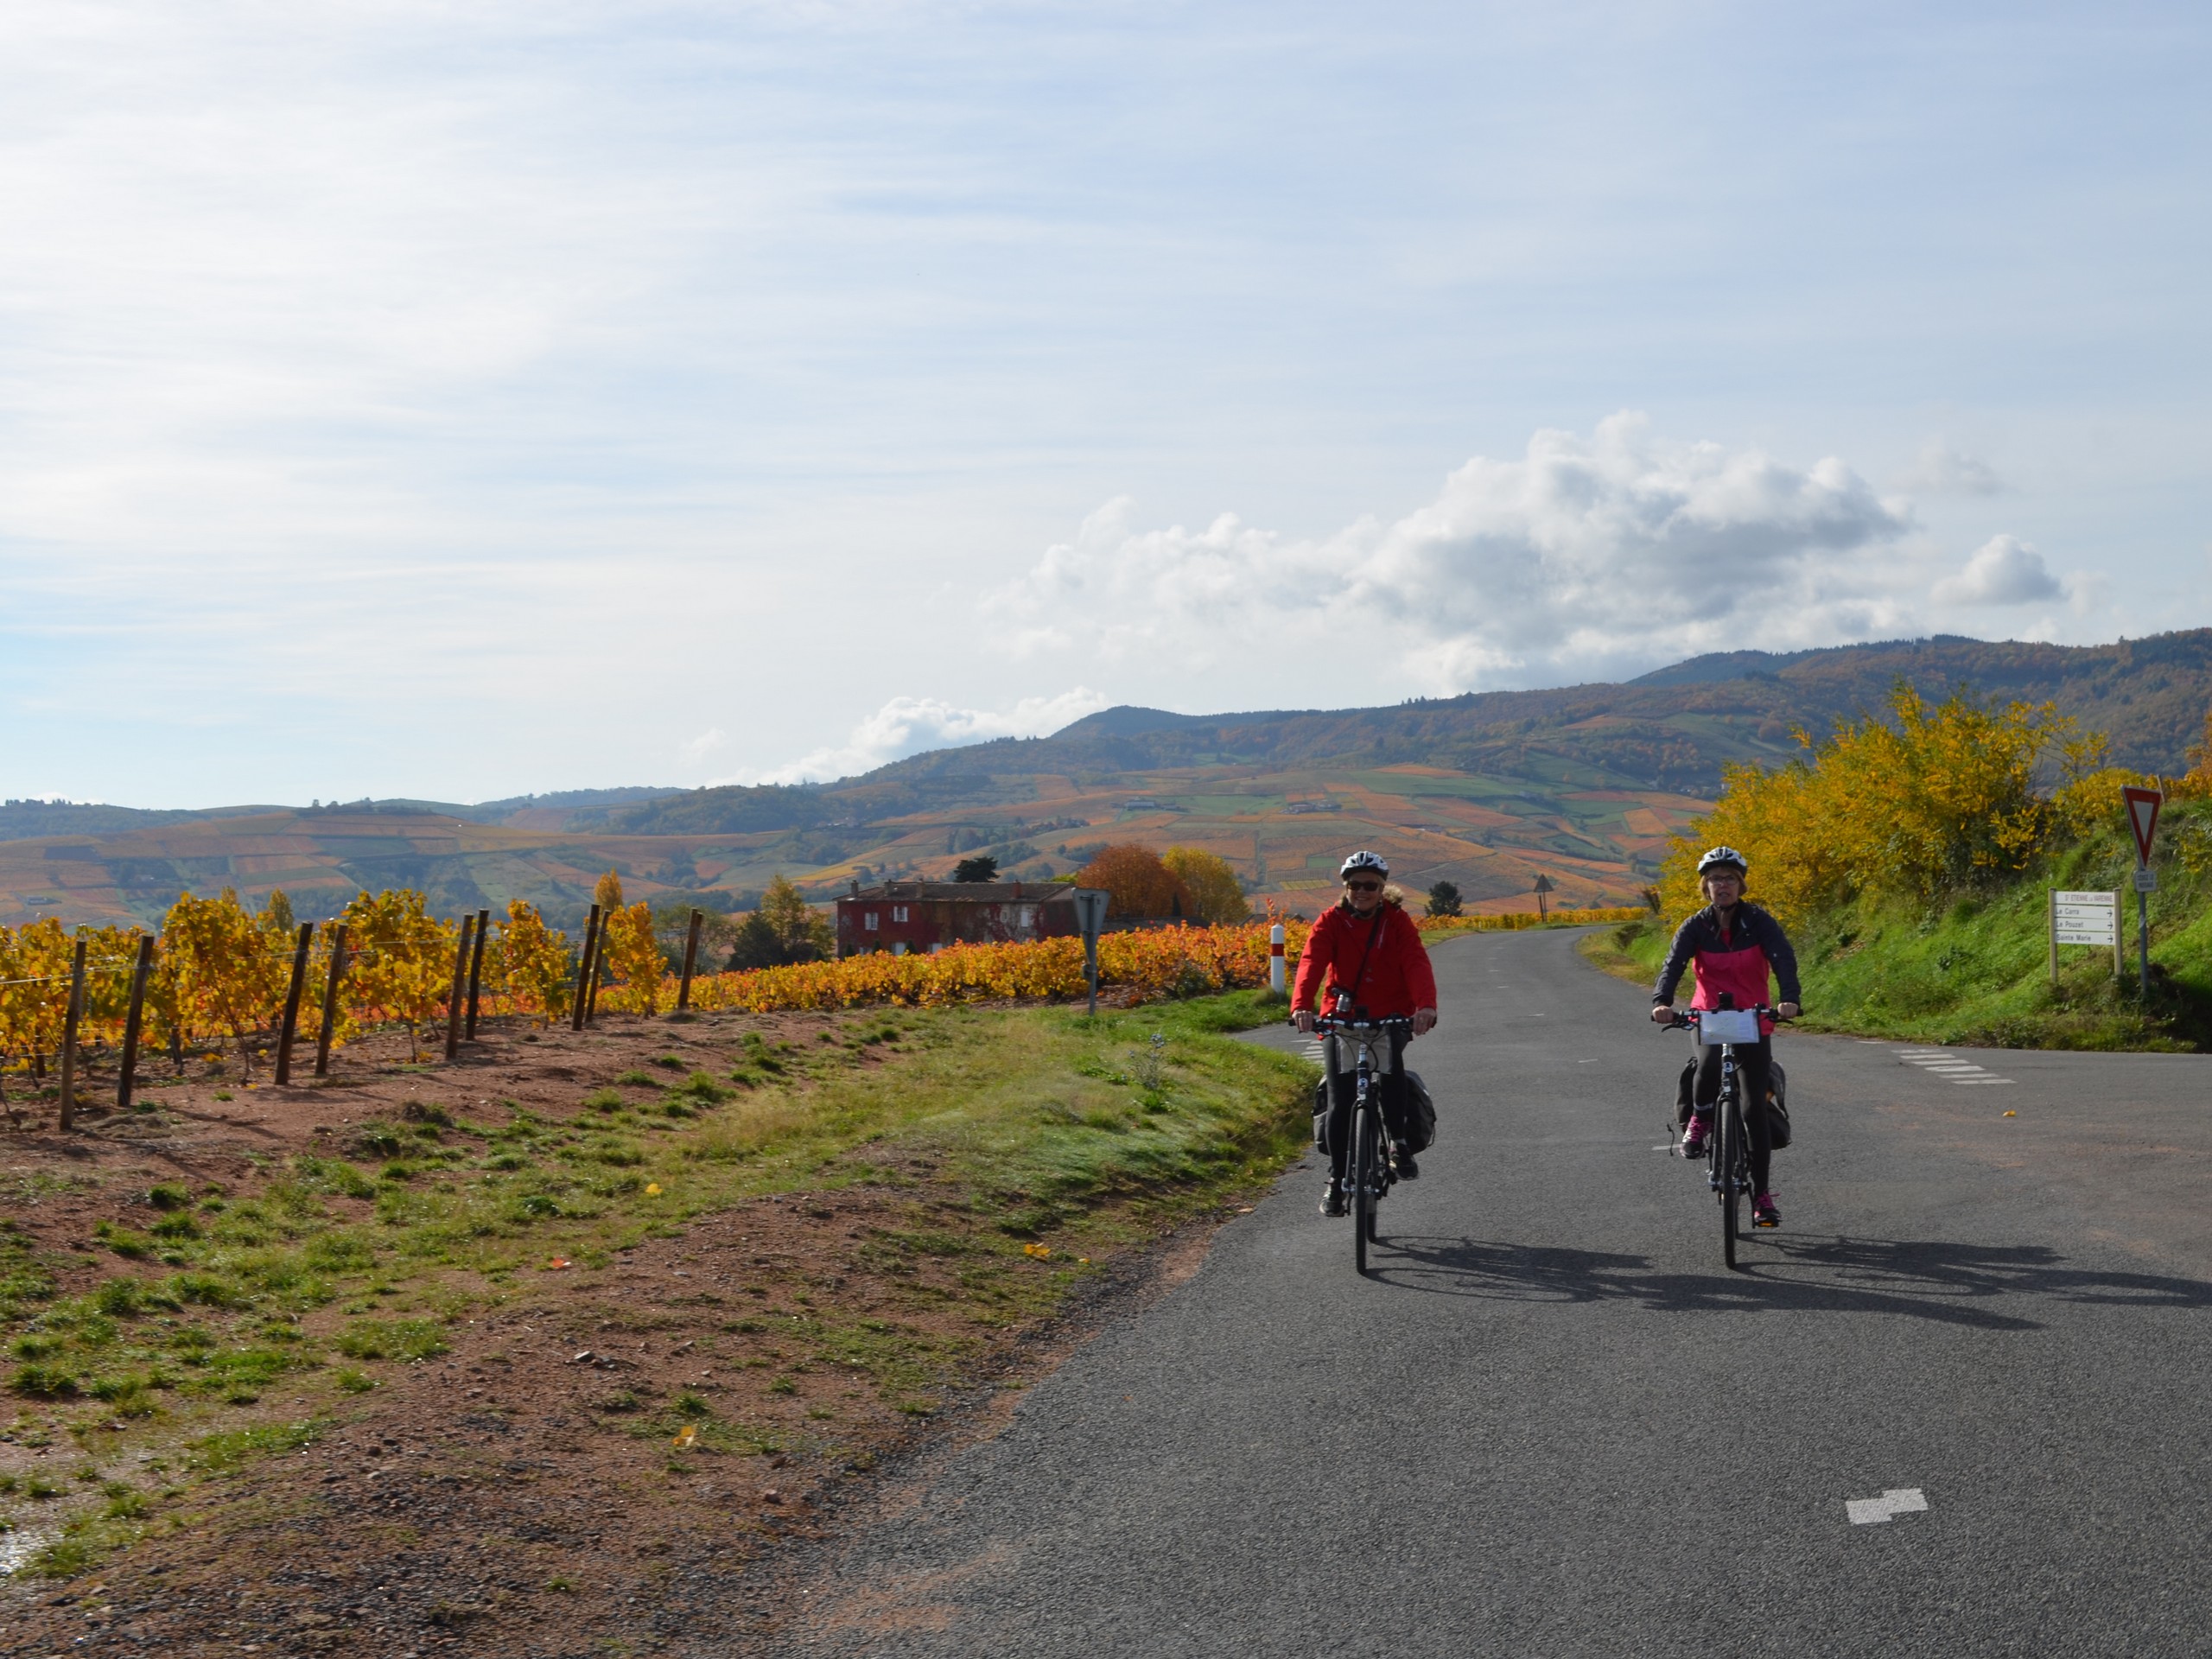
x: 460, y: 402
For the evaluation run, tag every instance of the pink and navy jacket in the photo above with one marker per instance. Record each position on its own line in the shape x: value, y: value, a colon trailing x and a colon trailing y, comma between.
x: 1735, y: 960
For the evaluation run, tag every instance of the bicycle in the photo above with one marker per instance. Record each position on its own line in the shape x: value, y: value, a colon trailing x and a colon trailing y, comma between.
x: 1367, y: 1165
x: 1728, y: 1146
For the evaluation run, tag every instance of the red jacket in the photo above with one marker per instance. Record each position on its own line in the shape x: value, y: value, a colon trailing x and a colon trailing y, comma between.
x: 1397, y: 978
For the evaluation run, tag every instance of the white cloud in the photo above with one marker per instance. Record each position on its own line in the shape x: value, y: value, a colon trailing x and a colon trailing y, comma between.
x: 2004, y: 570
x: 1941, y: 470
x: 1581, y: 557
x: 908, y: 726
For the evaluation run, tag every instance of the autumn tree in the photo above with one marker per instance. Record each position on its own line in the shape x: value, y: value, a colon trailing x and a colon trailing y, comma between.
x: 1217, y: 895
x: 782, y: 929
x: 1444, y: 899
x: 33, y: 988
x: 1935, y: 797
x: 402, y: 959
x: 532, y: 962
x: 1137, y: 883
x: 607, y: 894
x: 634, y: 953
x: 227, y: 971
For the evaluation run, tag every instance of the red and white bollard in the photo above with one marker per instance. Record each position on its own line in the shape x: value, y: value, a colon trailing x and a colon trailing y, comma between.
x: 1276, y: 959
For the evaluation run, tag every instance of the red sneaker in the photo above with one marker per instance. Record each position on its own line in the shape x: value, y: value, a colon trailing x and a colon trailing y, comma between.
x: 1694, y: 1138
x: 1763, y: 1212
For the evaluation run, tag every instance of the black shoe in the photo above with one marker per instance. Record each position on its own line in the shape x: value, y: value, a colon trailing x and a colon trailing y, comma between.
x: 1402, y: 1160
x: 1332, y: 1201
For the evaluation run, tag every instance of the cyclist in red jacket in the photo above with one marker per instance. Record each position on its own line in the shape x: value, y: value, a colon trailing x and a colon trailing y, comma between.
x: 1366, y: 947
x: 1735, y: 946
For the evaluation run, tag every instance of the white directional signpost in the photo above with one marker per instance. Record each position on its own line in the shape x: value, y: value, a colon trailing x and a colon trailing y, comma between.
x: 2143, y: 806
x: 1090, y: 916
x: 2084, y: 919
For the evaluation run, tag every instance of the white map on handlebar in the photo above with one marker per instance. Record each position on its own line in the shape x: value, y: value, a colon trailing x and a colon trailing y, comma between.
x: 1716, y: 1025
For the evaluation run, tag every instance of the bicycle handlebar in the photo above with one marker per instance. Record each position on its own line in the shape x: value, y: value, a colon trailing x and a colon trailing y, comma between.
x: 1337, y: 1023
x: 1686, y: 1018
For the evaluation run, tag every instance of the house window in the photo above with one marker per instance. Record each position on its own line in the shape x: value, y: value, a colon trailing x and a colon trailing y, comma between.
x: 897, y: 912
x: 867, y: 920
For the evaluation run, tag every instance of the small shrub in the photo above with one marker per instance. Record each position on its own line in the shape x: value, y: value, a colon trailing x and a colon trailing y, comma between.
x: 169, y: 1195
x: 390, y: 1340
x: 639, y: 1079
x: 604, y: 1100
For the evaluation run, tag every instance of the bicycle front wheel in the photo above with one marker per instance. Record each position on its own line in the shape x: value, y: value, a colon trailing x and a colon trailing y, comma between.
x: 1729, y: 1157
x: 1363, y: 1184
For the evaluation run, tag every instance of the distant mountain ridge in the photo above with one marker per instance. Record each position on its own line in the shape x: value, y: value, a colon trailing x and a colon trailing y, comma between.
x: 1673, y: 729
x: 1582, y: 786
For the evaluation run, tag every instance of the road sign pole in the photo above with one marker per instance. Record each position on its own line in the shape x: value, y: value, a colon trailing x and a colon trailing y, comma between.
x: 2054, y: 934
x: 2142, y: 805
x: 2119, y: 962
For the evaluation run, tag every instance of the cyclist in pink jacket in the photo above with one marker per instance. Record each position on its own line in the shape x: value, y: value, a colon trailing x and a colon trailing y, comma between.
x: 1735, y: 946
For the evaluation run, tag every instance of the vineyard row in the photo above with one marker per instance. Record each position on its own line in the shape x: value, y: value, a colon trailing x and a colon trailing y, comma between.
x: 219, y: 971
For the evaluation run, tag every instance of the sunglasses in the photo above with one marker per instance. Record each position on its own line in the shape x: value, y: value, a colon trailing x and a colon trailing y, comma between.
x: 1365, y: 886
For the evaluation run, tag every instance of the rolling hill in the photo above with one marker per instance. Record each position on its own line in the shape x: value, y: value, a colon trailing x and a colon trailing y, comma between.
x: 1583, y: 784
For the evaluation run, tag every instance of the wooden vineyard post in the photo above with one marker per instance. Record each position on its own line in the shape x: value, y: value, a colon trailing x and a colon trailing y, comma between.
x: 69, y: 1035
x: 691, y: 961
x: 337, y: 972
x: 456, y: 999
x: 476, y: 969
x: 290, y: 1028
x: 585, y: 964
x: 134, y: 1021
x: 598, y: 970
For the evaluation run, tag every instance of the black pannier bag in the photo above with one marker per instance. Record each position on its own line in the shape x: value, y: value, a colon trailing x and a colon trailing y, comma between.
x: 1778, y: 1103
x: 1421, y: 1113
x: 1420, y: 1110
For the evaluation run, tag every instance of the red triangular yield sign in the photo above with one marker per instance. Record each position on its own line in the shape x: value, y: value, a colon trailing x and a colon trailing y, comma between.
x: 2142, y: 817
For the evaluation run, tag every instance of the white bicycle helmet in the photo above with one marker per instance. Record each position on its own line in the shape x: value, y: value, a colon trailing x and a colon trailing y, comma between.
x: 1721, y: 858
x: 1363, y: 861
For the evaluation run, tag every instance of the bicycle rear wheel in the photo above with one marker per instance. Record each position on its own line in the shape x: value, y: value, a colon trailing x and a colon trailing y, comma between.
x: 1363, y: 1184
x: 1729, y: 1157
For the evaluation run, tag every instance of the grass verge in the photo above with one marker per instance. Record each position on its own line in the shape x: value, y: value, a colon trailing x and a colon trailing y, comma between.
x: 1002, y: 1154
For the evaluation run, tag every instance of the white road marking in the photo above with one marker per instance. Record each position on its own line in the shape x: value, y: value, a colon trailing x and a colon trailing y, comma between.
x: 1877, y: 1511
x: 1943, y: 1064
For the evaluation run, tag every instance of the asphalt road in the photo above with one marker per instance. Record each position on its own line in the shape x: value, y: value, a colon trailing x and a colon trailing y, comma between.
x: 1553, y: 1424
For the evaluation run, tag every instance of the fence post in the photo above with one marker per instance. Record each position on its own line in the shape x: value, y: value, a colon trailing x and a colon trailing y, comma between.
x: 456, y: 1010
x: 290, y: 1028
x: 1277, y: 968
x: 476, y: 969
x: 69, y: 1035
x: 337, y: 972
x: 597, y: 968
x: 585, y: 963
x: 134, y: 1020
x: 691, y: 961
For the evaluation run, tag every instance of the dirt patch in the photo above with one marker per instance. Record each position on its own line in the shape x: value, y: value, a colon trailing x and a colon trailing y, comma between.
x: 633, y: 1453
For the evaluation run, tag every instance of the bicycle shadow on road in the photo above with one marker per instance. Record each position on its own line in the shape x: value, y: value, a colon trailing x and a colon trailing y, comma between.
x: 1949, y: 1282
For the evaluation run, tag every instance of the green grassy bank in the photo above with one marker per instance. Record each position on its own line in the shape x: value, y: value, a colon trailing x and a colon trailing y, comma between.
x: 1974, y: 968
